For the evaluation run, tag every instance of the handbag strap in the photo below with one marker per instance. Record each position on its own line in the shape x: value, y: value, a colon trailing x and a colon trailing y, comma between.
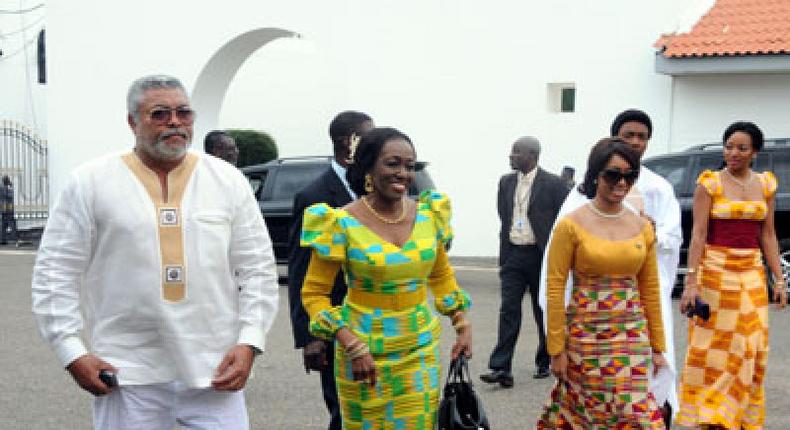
x: 463, y: 368
x: 459, y: 371
x: 451, y: 373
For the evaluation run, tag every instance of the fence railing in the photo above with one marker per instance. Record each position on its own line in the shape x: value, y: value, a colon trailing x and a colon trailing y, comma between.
x: 23, y: 158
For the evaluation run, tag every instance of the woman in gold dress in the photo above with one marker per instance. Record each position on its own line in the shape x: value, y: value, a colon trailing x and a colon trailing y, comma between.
x: 611, y: 334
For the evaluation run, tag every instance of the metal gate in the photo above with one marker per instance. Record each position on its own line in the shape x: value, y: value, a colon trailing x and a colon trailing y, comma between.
x: 23, y: 158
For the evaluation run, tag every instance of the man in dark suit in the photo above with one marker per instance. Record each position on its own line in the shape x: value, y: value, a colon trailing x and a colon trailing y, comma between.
x: 331, y: 188
x: 528, y: 202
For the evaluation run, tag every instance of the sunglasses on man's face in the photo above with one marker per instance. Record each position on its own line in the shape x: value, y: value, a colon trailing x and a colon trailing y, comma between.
x: 162, y: 116
x: 614, y: 176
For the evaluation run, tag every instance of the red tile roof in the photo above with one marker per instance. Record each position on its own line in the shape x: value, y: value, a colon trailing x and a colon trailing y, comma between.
x: 732, y: 28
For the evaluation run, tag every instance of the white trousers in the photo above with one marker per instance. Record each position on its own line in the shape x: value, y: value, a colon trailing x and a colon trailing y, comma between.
x: 162, y: 406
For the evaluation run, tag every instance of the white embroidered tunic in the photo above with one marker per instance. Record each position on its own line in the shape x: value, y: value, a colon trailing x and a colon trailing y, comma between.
x: 167, y: 284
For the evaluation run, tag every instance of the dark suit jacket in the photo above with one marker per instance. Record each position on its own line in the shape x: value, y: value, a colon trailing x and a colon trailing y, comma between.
x: 547, y: 195
x: 328, y: 189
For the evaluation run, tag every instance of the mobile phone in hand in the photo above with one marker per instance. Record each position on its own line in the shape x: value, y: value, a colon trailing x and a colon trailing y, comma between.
x: 109, y: 378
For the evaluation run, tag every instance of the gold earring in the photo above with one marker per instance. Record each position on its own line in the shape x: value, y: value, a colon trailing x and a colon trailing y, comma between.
x: 368, y: 183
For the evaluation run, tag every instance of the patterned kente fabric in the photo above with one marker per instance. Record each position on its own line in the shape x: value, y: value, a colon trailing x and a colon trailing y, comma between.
x: 722, y: 380
x: 386, y: 307
x: 609, y: 329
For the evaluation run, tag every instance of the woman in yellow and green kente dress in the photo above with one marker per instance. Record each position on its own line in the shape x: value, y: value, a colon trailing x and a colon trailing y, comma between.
x: 391, y: 250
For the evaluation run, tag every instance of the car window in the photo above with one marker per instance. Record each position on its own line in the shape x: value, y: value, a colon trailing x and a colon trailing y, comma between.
x: 293, y: 178
x: 705, y: 162
x: 256, y: 183
x: 782, y: 171
x: 673, y: 170
x: 709, y: 162
x: 762, y: 163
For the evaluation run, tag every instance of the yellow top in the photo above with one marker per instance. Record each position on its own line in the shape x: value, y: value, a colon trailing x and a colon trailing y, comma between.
x: 574, y: 248
x: 724, y: 208
x: 383, y: 278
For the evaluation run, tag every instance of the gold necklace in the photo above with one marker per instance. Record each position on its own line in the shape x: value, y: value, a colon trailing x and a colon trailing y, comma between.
x: 381, y: 217
x: 741, y: 182
x: 603, y: 214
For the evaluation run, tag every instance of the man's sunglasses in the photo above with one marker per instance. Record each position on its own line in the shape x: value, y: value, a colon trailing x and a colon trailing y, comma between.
x: 162, y: 116
x: 613, y: 176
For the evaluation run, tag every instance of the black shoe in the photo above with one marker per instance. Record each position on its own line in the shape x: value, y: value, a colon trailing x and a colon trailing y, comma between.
x: 505, y: 379
x: 541, y: 372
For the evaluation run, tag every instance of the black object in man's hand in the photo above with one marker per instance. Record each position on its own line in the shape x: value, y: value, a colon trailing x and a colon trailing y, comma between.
x: 109, y: 378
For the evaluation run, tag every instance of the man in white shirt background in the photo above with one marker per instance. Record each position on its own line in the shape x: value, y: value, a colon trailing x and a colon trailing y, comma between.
x: 653, y: 197
x: 145, y: 243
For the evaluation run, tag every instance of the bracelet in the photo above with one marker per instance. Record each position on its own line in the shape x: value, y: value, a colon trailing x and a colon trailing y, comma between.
x: 358, y: 352
x: 458, y: 315
x: 461, y: 324
x: 353, y: 345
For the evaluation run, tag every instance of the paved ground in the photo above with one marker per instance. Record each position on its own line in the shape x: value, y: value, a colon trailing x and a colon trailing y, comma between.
x: 36, y: 394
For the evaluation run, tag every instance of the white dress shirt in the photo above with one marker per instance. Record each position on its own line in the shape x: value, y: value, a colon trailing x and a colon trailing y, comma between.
x: 520, y: 229
x: 101, y: 254
x: 340, y: 171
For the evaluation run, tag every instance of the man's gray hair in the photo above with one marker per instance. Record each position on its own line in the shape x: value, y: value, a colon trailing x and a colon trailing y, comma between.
x: 150, y: 82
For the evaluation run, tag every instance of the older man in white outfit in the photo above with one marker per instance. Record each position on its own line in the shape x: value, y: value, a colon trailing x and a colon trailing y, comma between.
x: 653, y: 197
x: 165, y: 252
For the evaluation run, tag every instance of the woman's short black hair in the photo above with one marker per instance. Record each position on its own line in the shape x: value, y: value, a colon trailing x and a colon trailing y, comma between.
x: 601, y: 153
x: 367, y: 153
x: 629, y: 115
x: 749, y: 128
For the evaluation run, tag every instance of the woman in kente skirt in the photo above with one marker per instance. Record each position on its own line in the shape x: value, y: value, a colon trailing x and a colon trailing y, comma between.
x: 721, y: 386
x: 610, y: 337
x: 392, y: 250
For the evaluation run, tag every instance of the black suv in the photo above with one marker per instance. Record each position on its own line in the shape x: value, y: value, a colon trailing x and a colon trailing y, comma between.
x: 276, y: 183
x: 681, y: 169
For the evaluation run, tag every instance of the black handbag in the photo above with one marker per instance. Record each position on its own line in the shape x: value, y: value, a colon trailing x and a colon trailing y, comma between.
x: 461, y: 408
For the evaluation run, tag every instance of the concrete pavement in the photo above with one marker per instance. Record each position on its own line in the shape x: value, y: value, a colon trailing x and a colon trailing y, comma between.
x: 35, y: 393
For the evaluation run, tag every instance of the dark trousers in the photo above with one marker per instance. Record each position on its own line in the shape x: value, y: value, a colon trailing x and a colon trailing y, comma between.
x: 519, y: 273
x: 330, y: 390
x: 8, y: 223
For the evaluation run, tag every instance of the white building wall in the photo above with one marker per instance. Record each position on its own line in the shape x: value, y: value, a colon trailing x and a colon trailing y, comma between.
x: 705, y: 105
x: 462, y: 78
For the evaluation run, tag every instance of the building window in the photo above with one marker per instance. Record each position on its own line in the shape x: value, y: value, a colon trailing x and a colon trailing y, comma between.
x: 561, y: 97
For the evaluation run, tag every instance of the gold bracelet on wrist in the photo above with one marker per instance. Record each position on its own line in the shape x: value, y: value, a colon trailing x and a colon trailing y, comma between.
x: 460, y: 325
x: 458, y: 315
x: 353, y: 344
x: 359, y: 352
x: 354, y: 347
